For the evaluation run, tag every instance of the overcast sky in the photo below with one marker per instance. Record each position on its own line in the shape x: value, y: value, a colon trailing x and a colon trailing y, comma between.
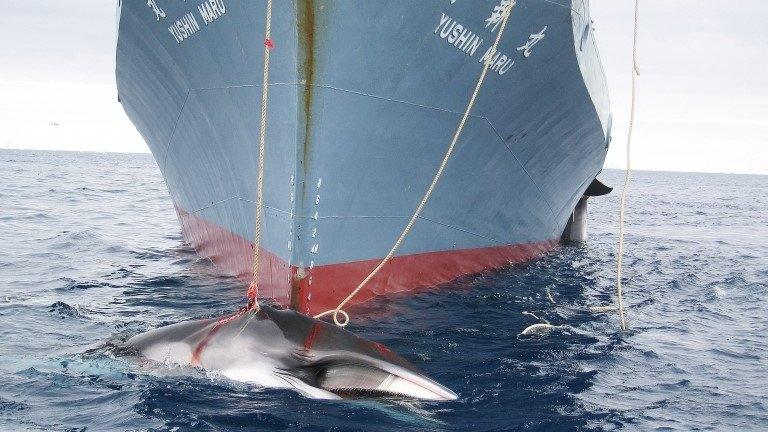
x: 703, y: 95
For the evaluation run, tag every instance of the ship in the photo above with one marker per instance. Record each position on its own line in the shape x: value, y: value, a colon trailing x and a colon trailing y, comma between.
x: 364, y: 98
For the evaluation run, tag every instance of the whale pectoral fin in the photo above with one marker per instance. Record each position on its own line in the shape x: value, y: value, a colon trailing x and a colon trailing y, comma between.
x: 295, y: 380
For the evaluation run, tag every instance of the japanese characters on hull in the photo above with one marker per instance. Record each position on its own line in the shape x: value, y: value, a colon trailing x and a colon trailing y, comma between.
x: 462, y: 37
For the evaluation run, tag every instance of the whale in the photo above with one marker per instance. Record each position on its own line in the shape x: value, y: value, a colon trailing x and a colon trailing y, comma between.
x: 281, y: 348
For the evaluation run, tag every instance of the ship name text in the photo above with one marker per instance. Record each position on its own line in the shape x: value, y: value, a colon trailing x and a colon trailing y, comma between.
x: 212, y: 10
x: 468, y: 42
x: 189, y: 25
x: 184, y: 27
x: 458, y: 35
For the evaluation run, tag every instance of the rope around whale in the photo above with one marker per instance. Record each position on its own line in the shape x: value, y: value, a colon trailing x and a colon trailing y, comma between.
x: 338, y: 311
x: 253, y: 289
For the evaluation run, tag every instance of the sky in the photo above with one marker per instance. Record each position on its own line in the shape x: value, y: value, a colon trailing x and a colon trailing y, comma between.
x: 702, y: 95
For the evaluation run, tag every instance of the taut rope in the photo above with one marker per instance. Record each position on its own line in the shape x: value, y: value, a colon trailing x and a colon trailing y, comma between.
x: 339, y: 311
x: 253, y: 289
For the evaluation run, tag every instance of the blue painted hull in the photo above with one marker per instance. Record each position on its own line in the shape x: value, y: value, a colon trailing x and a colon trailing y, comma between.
x: 364, y: 99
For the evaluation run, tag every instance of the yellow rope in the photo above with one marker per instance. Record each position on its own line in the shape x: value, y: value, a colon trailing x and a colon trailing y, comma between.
x: 253, y: 289
x: 339, y: 311
x: 635, y: 74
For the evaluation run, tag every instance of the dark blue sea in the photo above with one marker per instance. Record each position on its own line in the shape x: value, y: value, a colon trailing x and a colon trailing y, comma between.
x: 91, y: 252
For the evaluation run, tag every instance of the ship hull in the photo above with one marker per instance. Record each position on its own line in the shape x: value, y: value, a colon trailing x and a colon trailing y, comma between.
x: 365, y: 97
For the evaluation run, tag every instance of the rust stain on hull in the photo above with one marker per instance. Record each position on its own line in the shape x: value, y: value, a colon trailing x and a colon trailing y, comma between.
x: 307, y: 29
x: 306, y: 26
x: 295, y: 299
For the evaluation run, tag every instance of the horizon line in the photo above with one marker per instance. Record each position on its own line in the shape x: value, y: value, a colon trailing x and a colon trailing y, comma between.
x: 149, y: 153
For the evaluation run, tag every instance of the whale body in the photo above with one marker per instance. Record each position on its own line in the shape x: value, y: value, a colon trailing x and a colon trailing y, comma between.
x: 285, y: 349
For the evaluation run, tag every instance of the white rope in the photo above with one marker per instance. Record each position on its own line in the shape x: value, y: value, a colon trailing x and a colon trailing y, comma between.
x: 549, y: 295
x: 532, y: 315
x: 540, y: 327
x: 253, y: 289
x: 602, y: 309
x: 339, y: 311
x: 619, y: 260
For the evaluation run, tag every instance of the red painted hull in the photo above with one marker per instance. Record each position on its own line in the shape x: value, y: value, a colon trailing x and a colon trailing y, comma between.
x: 323, y: 287
x: 233, y: 256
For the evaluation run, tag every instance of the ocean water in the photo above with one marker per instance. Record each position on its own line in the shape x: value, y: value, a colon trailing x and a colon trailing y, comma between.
x: 90, y: 252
